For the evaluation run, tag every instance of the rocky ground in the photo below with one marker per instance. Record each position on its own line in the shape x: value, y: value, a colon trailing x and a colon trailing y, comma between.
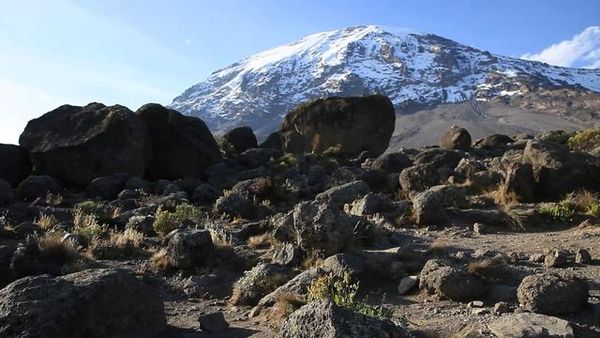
x: 314, y: 233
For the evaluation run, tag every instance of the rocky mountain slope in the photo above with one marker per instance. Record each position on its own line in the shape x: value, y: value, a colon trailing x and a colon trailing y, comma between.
x: 419, y: 72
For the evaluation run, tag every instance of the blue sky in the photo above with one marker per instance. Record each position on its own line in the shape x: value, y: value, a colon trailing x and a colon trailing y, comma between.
x: 137, y: 51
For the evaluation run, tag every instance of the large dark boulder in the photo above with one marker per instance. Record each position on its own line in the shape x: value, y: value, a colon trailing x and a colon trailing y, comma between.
x: 14, y: 164
x: 78, y: 144
x: 355, y: 124
x: 37, y: 186
x: 91, y: 303
x: 552, y: 294
x: 559, y: 171
x: 450, y: 282
x: 241, y: 139
x: 182, y: 146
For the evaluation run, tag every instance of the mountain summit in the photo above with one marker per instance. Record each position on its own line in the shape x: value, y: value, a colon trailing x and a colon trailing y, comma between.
x: 428, y: 78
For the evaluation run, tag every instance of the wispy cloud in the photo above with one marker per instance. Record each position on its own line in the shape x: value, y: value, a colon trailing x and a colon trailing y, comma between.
x: 583, y: 50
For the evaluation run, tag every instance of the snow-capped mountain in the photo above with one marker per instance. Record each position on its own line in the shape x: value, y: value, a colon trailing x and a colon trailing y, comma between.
x: 415, y: 70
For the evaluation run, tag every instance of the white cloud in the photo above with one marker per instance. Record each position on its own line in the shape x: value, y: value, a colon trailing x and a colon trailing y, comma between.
x: 583, y: 50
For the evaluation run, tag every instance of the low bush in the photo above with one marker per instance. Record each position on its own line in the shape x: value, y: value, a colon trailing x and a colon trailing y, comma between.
x: 165, y: 221
x: 585, y: 140
x: 342, y: 290
x: 560, y: 211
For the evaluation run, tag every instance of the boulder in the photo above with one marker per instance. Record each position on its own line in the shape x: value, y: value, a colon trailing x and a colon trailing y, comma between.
x: 258, y: 282
x: 450, y: 282
x: 37, y: 186
x: 456, y: 139
x: 559, y: 171
x: 182, y: 146
x: 325, y: 230
x: 530, y: 325
x: 325, y: 319
x: 107, y: 187
x: 6, y: 192
x: 429, y: 206
x: 518, y: 181
x: 552, y: 294
x: 418, y: 178
x: 187, y: 249
x: 14, y: 164
x: 439, y: 158
x: 240, y: 139
x: 493, y: 142
x: 355, y: 124
x: 90, y: 303
x: 213, y: 322
x: 273, y: 141
x: 392, y: 162
x: 336, y: 197
x: 78, y: 144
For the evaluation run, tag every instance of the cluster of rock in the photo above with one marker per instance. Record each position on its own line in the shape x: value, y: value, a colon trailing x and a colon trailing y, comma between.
x: 320, y: 189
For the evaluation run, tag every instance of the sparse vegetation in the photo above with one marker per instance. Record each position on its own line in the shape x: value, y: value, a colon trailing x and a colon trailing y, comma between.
x: 263, y: 241
x: 87, y: 225
x: 561, y: 211
x: 489, y: 269
x: 585, y: 140
x: 167, y: 221
x: 46, y: 221
x: 343, y: 291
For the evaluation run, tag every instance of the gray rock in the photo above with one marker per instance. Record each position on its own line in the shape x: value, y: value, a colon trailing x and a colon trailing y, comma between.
x: 371, y: 204
x: 336, y: 197
x: 325, y: 319
x: 530, y: 325
x: 258, y: 282
x: 419, y: 177
x: 78, y: 144
x: 287, y: 254
x: 141, y: 224
x: 450, y: 282
x: 556, y: 259
x: 392, y: 162
x: 344, y: 262
x: 106, y: 187
x: 552, y: 294
x: 213, y: 322
x: 205, y: 193
x: 456, y: 139
x: 187, y: 249
x: 428, y: 208
x: 325, y: 230
x: 91, y: 303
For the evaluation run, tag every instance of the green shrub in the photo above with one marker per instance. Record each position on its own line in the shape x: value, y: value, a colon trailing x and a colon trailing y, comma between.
x: 561, y: 211
x: 165, y: 221
x: 342, y: 290
x: 593, y: 208
x: 585, y: 140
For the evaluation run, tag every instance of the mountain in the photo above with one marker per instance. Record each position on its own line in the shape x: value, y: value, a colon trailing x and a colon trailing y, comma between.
x: 432, y: 81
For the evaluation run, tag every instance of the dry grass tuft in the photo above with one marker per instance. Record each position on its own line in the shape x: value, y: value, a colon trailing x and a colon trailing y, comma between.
x: 489, y: 269
x: 264, y: 241
x: 438, y: 248
x: 286, y: 304
x: 45, y: 221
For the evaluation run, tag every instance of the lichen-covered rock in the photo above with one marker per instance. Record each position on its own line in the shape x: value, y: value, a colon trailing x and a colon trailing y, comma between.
x: 552, y: 294
x: 325, y: 319
x: 92, y: 303
x: 355, y: 124
x: 418, y: 178
x: 325, y: 230
x: 336, y: 197
x: 258, y: 282
x: 187, y: 249
x: 456, y: 139
x: 78, y: 144
x: 450, y: 282
x: 182, y: 146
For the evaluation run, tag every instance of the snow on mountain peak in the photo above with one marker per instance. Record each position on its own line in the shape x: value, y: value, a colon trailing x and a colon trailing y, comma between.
x: 409, y: 67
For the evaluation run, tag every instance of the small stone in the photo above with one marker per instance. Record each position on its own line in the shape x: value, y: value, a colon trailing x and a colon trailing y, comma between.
x: 213, y: 322
x: 583, y: 257
x: 501, y: 307
x: 480, y: 311
x: 407, y: 284
x: 481, y: 229
x: 476, y: 303
x: 556, y: 259
x: 537, y: 258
